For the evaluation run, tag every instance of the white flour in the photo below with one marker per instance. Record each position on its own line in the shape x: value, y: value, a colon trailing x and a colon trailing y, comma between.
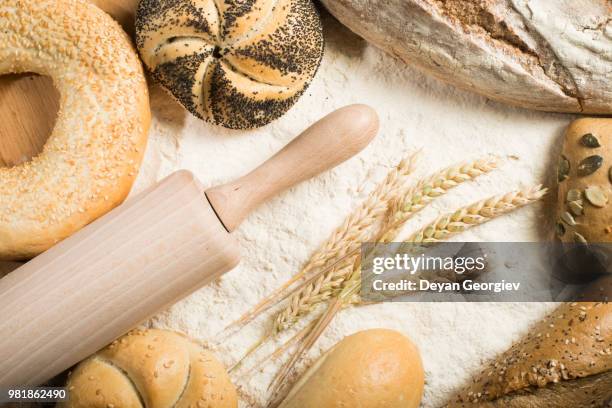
x: 416, y: 112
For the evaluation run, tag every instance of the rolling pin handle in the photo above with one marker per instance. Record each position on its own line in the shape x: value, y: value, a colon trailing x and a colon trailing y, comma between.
x: 327, y: 143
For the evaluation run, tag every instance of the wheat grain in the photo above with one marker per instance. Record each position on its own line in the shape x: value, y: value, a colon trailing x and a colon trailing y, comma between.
x: 429, y: 189
x: 476, y: 214
x: 444, y: 227
x: 401, y: 208
x: 356, y: 227
x: 344, y: 240
x: 454, y: 223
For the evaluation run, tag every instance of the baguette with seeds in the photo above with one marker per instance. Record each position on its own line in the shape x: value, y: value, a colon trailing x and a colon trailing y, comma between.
x: 564, y: 361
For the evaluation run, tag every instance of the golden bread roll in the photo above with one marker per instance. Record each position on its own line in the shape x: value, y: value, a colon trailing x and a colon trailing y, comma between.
x: 564, y: 361
x: 236, y: 64
x: 92, y: 156
x: 370, y: 369
x: 584, y: 201
x: 153, y: 369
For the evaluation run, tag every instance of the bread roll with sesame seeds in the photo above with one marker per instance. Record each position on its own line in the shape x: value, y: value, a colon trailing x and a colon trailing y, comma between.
x: 92, y: 156
x: 565, y: 361
x: 239, y: 64
x: 153, y: 369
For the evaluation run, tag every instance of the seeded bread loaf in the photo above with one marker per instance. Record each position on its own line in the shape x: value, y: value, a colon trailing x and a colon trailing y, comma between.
x: 584, y: 207
x: 239, y: 64
x: 565, y: 361
x: 151, y: 368
x: 549, y: 55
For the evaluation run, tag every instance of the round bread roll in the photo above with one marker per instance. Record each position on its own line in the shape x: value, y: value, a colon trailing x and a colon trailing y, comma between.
x: 236, y: 64
x: 92, y: 156
x: 370, y: 369
x: 584, y: 201
x: 153, y: 369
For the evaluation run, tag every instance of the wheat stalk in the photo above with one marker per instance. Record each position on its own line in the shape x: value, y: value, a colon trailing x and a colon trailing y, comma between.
x: 401, y: 208
x: 444, y: 227
x: 476, y: 214
x: 356, y: 227
x: 455, y: 223
x: 429, y: 189
x: 280, y: 381
x: 344, y: 241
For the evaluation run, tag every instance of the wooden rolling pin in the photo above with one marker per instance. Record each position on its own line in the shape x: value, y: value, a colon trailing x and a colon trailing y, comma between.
x: 148, y: 253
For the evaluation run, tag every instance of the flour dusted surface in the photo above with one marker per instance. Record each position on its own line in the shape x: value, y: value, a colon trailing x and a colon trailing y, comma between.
x: 416, y: 112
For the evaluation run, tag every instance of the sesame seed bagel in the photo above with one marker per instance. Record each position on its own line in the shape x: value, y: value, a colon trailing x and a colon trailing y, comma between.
x: 239, y: 64
x: 91, y: 158
x: 151, y: 368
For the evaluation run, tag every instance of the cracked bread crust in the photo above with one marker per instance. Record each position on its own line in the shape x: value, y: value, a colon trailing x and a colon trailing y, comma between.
x: 239, y: 64
x: 551, y: 56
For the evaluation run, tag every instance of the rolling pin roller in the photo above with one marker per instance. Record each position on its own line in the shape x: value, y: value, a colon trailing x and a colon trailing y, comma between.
x: 155, y: 249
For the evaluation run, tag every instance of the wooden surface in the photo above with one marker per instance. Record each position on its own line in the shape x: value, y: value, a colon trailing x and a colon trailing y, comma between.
x: 328, y: 142
x: 96, y: 285
x: 28, y: 108
x: 29, y: 102
x: 121, y: 10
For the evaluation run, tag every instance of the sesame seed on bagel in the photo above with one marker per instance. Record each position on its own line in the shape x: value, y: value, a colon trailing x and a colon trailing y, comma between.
x: 93, y: 154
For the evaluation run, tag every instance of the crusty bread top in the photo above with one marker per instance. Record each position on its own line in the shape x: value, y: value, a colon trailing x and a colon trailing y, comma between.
x: 372, y: 368
x: 154, y: 369
x: 574, y: 341
x: 547, y: 55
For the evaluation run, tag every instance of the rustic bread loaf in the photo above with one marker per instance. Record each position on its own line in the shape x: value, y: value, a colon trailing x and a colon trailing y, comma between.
x: 565, y: 361
x: 370, y: 369
x: 236, y: 64
x: 546, y: 55
x: 584, y: 198
x: 151, y: 368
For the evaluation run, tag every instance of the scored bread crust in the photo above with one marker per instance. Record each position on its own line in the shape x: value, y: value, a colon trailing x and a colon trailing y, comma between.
x: 92, y: 156
x: 545, y: 55
x: 151, y: 368
x: 236, y: 64
x: 565, y: 357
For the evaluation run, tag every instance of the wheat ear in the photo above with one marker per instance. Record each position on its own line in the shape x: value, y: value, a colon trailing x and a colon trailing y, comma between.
x: 456, y: 222
x: 444, y: 227
x: 401, y: 208
x: 343, y: 241
x: 476, y: 214
x: 429, y: 189
x: 357, y: 225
